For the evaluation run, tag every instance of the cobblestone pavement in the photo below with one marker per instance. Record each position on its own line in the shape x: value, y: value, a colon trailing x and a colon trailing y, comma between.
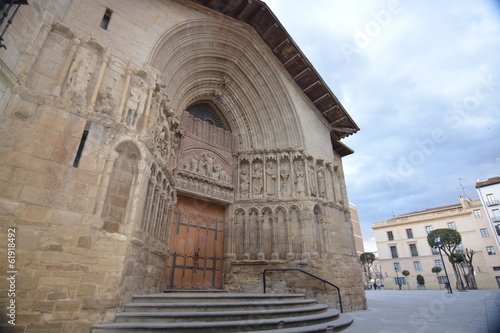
x: 422, y: 311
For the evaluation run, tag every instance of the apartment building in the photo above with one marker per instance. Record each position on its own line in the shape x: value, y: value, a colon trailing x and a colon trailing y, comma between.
x: 489, y: 193
x: 402, y: 245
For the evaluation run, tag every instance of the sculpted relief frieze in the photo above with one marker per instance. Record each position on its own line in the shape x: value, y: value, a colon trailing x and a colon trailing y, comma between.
x: 285, y: 175
x: 205, y: 165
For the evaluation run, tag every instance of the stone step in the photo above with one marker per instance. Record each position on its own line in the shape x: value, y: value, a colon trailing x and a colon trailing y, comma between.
x: 179, y: 317
x: 284, y: 324
x: 216, y: 306
x: 211, y: 297
x: 336, y: 325
x: 225, y: 312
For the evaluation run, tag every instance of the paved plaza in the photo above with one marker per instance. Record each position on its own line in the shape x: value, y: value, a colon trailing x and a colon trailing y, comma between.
x: 436, y: 311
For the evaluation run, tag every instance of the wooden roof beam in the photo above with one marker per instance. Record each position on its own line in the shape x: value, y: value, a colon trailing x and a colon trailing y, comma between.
x: 269, y: 31
x: 245, y: 10
x: 345, y: 129
x: 301, y: 74
x: 289, y: 61
x: 321, y: 98
x: 312, y: 86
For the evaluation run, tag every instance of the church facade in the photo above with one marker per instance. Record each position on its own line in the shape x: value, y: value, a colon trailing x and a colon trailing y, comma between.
x: 165, y: 145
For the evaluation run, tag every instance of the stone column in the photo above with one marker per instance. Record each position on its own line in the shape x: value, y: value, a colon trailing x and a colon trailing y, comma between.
x: 64, y: 71
x: 289, y: 246
x: 135, y: 198
x: 108, y: 169
x: 104, y: 65
x: 28, y: 59
x: 149, y: 203
x: 246, y: 254
x: 231, y: 238
x: 148, y: 109
x: 274, y: 245
x: 123, y: 99
x: 278, y: 165
x: 250, y: 178
x: 260, y: 223
x: 303, y: 239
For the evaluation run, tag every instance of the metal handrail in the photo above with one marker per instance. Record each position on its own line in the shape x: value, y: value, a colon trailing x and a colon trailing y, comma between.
x: 302, y: 271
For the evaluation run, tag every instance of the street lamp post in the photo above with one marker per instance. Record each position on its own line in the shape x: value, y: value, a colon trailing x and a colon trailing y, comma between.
x: 397, y: 277
x: 437, y: 241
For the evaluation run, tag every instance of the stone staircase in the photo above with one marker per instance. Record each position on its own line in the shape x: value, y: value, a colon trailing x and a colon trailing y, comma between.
x: 225, y: 312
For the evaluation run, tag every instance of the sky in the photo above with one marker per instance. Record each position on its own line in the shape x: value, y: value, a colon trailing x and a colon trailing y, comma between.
x: 422, y: 81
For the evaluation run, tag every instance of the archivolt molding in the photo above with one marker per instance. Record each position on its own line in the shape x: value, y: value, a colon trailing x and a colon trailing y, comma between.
x: 194, y: 58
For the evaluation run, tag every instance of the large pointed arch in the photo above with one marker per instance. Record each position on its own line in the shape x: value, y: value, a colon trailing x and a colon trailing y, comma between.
x: 212, y: 59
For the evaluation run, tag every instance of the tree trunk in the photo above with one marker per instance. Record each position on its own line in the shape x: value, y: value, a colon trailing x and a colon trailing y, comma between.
x: 460, y: 284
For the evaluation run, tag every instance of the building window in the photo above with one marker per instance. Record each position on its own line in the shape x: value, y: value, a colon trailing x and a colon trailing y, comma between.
x: 418, y: 265
x: 435, y: 250
x: 496, y: 215
x: 394, y: 252
x: 390, y: 236
x: 484, y: 232
x: 490, y: 250
x: 452, y: 226
x: 497, y: 228
x: 413, y: 250
x: 496, y: 268
x: 477, y: 213
x: 106, y: 18
x: 428, y: 228
x: 400, y: 280
x: 409, y: 233
x: 397, y: 267
x: 442, y: 279
x: 439, y: 264
x: 490, y: 200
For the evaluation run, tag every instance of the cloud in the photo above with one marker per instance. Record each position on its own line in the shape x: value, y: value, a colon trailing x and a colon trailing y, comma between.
x: 422, y: 81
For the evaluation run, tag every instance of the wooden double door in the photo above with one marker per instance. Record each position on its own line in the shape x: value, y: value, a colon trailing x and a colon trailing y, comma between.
x: 196, y: 245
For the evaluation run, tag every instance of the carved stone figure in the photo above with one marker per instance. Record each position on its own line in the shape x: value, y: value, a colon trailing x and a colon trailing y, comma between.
x: 210, y: 165
x: 79, y: 78
x: 284, y: 174
x: 215, y: 173
x: 244, y: 184
x: 194, y: 164
x: 104, y: 103
x: 271, y: 179
x: 257, y: 179
x: 321, y: 182
x: 224, y: 177
x: 299, y: 179
x: 312, y: 179
x: 136, y: 102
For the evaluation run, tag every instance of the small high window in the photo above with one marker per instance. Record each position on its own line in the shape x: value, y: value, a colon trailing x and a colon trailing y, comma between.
x: 409, y: 233
x: 394, y: 252
x: 397, y: 267
x: 452, y: 226
x: 390, y: 236
x: 413, y: 250
x: 484, y: 232
x: 428, y: 228
x: 477, y: 213
x: 417, y: 265
x: 106, y: 18
x: 490, y: 250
